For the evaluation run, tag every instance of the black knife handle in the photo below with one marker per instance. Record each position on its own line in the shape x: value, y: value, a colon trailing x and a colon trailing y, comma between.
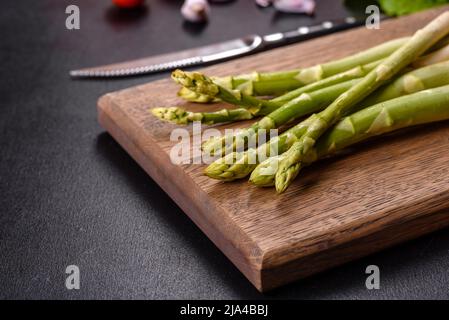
x: 308, y: 32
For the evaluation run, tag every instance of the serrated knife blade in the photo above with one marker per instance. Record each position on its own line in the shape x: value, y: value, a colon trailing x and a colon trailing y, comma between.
x: 212, y: 53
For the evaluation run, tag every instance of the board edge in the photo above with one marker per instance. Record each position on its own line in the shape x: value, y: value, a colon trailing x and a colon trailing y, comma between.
x: 248, y: 258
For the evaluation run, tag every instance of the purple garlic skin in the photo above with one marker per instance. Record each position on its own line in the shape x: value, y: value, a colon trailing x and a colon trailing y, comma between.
x: 195, y: 10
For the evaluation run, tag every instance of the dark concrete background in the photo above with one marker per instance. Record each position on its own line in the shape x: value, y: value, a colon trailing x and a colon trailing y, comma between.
x: 69, y: 194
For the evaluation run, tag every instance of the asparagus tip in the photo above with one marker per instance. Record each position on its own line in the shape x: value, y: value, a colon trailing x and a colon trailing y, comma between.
x: 173, y: 114
x: 263, y: 174
x: 217, y: 171
x: 285, y: 176
x: 196, y: 82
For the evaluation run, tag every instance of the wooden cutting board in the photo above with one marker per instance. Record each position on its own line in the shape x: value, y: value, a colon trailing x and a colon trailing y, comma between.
x: 380, y: 193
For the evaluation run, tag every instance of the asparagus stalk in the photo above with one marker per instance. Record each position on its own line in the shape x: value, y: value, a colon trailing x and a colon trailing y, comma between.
x: 354, y: 73
x: 181, y: 116
x: 224, y: 169
x: 424, y: 78
x: 193, y: 96
x: 291, y: 164
x: 305, y: 104
x: 275, y: 83
x: 418, y: 108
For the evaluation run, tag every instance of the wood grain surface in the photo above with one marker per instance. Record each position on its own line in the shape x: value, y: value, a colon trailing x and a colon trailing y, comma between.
x: 389, y: 190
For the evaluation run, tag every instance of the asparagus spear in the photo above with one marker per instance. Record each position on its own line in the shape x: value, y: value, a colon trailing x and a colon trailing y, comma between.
x: 305, y: 104
x: 426, y: 106
x: 256, y: 106
x: 423, y: 39
x: 181, y: 116
x: 223, y: 169
x: 275, y: 83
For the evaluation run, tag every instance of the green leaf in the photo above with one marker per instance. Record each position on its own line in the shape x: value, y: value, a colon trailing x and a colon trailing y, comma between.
x: 401, y: 7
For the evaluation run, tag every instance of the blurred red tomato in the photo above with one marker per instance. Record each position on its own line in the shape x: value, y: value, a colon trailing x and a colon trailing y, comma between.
x: 128, y: 3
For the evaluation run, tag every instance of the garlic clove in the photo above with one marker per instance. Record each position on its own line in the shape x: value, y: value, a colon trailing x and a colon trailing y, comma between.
x: 295, y: 6
x: 195, y: 10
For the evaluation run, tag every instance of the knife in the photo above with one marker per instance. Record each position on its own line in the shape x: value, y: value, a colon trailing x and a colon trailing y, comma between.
x: 215, y: 52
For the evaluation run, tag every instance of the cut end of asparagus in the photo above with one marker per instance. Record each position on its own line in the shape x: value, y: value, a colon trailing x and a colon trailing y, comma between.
x: 192, y: 96
x: 176, y: 115
x: 196, y: 82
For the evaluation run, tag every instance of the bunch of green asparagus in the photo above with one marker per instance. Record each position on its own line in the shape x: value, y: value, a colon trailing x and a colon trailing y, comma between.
x: 400, y: 83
